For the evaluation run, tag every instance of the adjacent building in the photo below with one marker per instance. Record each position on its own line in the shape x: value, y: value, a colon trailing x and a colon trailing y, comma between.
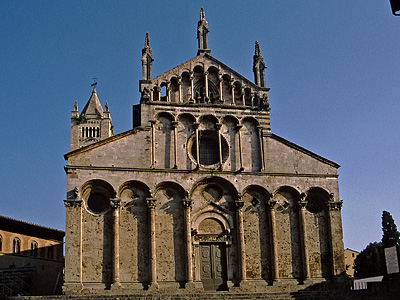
x: 200, y: 194
x: 349, y: 257
x: 31, y: 258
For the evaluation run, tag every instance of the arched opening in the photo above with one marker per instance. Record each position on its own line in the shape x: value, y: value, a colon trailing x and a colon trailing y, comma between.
x: 16, y: 246
x: 34, y: 249
x: 163, y: 92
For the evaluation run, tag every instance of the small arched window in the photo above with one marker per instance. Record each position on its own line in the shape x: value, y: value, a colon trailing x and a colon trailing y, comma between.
x: 16, y: 245
x: 34, y: 248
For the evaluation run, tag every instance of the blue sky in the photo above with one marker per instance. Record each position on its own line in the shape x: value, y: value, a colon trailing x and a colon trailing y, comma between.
x: 333, y: 71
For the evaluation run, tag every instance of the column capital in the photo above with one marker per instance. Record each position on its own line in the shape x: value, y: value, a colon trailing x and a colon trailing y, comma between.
x: 152, y: 122
x: 196, y: 125
x: 335, y: 205
x: 187, y: 202
x: 73, y: 203
x: 206, y: 73
x: 174, y: 124
x: 218, y: 125
x: 302, y: 204
x: 271, y: 203
x: 151, y: 203
x: 115, y: 203
x: 238, y: 127
x: 239, y: 203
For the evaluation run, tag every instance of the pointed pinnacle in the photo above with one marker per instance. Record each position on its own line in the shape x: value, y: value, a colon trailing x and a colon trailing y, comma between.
x: 257, y: 52
x: 147, y: 41
x: 202, y: 15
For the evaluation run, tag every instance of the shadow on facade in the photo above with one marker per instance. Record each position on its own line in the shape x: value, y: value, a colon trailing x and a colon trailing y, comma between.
x: 342, y: 288
x: 32, y: 272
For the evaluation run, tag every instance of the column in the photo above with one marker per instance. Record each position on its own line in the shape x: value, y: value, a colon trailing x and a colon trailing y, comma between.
x: 221, y: 100
x: 238, y: 127
x: 168, y: 87
x: 219, y: 125
x: 303, y: 237
x: 274, y: 247
x: 241, y: 244
x: 151, y: 204
x: 233, y: 91
x: 206, y: 86
x: 153, y: 144
x: 115, y: 204
x: 180, y: 88
x: 192, y: 100
x: 242, y: 95
x: 260, y: 136
x: 151, y: 94
x: 252, y: 99
x: 334, y: 208
x: 73, y: 249
x: 175, y: 128
x: 159, y: 93
x: 187, y: 204
x: 196, y: 128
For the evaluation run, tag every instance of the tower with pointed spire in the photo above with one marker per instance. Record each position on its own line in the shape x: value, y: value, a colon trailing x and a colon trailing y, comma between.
x: 258, y: 67
x: 202, y: 34
x: 92, y: 124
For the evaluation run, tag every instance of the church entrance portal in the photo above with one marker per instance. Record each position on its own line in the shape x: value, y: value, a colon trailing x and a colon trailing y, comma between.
x: 213, y: 266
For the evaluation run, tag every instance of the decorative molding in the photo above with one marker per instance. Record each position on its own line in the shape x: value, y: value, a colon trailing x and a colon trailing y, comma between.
x: 73, y: 203
x: 115, y: 203
x: 335, y: 205
x: 212, y: 237
x: 187, y: 203
x: 271, y: 203
x: 151, y: 203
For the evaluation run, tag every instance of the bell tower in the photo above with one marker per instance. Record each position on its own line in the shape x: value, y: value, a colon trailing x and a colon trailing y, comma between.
x: 92, y: 124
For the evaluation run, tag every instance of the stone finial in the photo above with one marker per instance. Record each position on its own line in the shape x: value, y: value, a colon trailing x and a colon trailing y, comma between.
x: 147, y: 58
x: 257, y: 49
x: 258, y: 67
x: 76, y: 106
x: 202, y: 34
x: 106, y: 106
x: 202, y: 14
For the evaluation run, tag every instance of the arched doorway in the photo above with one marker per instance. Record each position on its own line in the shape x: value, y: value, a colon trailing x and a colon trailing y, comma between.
x: 213, y: 256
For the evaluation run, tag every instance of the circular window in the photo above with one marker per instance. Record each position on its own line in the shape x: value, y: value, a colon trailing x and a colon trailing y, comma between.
x: 98, y: 203
x: 315, y: 203
x: 208, y: 148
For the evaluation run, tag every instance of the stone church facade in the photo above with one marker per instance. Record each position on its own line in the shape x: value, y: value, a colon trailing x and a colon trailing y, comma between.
x: 200, y: 194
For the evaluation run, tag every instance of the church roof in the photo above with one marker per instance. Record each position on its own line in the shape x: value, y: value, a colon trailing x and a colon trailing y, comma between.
x: 93, y: 106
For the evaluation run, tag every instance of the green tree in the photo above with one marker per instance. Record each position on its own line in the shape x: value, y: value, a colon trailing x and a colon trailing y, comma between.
x: 390, y: 236
x: 370, y: 262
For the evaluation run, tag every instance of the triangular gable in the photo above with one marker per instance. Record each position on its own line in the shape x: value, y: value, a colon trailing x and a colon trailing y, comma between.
x: 102, y: 142
x: 204, y: 59
x: 303, y: 150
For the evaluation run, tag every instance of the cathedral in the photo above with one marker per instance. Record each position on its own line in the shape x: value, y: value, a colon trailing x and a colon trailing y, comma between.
x: 199, y: 195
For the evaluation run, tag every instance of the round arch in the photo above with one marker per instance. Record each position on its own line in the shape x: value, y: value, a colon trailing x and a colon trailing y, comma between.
x: 227, y: 185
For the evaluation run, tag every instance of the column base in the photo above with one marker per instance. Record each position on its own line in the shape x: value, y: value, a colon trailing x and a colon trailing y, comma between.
x: 244, y: 285
x: 153, y: 286
x: 194, y: 285
x: 116, y: 286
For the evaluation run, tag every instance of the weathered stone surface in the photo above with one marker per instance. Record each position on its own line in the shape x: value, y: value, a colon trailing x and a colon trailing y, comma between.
x: 209, y: 197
